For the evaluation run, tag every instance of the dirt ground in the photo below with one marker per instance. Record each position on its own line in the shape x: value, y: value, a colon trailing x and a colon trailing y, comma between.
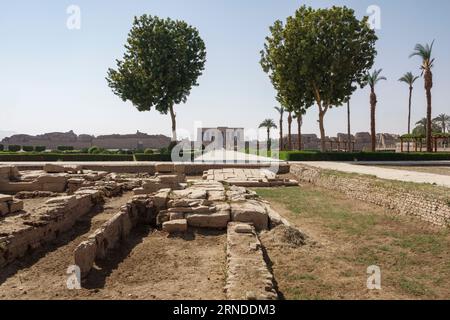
x: 346, y: 237
x: 149, y: 265
x: 436, y: 170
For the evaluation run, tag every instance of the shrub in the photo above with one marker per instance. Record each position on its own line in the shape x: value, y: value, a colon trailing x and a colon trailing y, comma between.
x: 28, y: 148
x: 64, y: 157
x: 362, y: 156
x: 65, y: 148
x: 95, y: 150
x: 14, y: 148
x: 166, y: 157
x: 2, y: 147
x: 40, y: 148
x: 149, y: 151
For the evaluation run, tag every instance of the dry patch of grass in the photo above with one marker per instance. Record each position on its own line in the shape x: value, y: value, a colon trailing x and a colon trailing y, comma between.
x: 348, y: 236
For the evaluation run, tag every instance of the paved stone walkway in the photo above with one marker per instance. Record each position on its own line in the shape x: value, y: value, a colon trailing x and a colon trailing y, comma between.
x: 383, y: 173
x: 233, y: 156
x: 248, y: 177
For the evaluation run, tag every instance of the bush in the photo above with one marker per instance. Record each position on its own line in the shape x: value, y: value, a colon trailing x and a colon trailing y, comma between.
x: 149, y: 151
x: 28, y: 148
x: 40, y: 148
x: 14, y: 148
x: 2, y: 147
x: 63, y: 157
x: 65, y: 148
x: 166, y: 157
x: 95, y: 150
x: 362, y: 156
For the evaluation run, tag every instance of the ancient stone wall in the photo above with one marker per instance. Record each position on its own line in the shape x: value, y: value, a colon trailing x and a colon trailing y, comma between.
x: 427, y: 206
x: 21, y: 233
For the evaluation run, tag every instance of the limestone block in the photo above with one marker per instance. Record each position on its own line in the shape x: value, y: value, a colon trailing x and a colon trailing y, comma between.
x: 5, y: 198
x: 250, y: 211
x: 176, y: 215
x: 54, y: 168
x: 113, y: 230
x: 218, y: 220
x: 16, y: 205
x: 85, y: 255
x: 4, y: 209
x: 66, y: 201
x: 99, y: 238
x: 164, y: 167
x: 139, y: 191
x: 175, y: 226
x: 160, y: 199
x: 162, y: 217
x: 216, y: 195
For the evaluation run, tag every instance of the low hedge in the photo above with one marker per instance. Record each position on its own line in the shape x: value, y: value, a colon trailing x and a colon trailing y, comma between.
x: 363, y: 156
x: 19, y: 157
x: 166, y: 157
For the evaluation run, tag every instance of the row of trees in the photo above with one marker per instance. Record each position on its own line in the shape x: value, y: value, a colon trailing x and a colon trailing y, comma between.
x: 318, y: 56
x: 321, y: 56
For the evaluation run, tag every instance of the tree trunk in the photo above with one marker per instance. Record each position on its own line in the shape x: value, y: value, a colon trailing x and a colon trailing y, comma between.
x: 281, y: 134
x: 349, y: 135
x: 428, y: 86
x: 299, y: 125
x: 373, y: 104
x: 322, y: 129
x: 290, y: 131
x: 268, y: 139
x: 174, y: 124
x: 409, y: 112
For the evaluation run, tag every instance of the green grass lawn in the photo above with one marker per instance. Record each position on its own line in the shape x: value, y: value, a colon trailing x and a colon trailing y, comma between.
x: 414, y: 257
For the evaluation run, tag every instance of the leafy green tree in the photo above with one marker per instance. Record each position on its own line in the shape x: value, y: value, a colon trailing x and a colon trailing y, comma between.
x: 443, y: 120
x: 372, y: 79
x: 323, y: 51
x: 268, y: 124
x: 281, y: 110
x: 425, y: 53
x: 409, y: 79
x: 162, y: 62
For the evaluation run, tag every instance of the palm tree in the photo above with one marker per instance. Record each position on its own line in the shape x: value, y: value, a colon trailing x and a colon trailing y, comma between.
x: 425, y: 52
x: 409, y: 79
x: 281, y: 112
x: 443, y: 121
x: 372, y: 80
x: 290, y: 129
x: 268, y: 124
x: 299, y: 116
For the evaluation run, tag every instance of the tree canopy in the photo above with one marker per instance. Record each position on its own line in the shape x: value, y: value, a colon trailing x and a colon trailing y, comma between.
x: 319, y: 55
x: 162, y: 62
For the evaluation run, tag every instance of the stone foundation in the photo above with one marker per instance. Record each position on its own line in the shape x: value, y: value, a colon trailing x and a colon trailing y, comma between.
x: 248, y: 277
x: 424, y: 205
x: 139, y: 210
x: 20, y: 234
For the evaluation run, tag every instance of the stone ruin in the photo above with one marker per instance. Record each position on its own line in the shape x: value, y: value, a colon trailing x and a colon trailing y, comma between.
x: 165, y: 201
x: 247, y: 177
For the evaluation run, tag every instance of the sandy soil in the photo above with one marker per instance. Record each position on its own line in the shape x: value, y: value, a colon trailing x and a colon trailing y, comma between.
x: 149, y: 265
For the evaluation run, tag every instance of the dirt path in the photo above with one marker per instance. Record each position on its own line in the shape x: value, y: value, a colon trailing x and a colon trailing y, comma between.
x: 148, y: 265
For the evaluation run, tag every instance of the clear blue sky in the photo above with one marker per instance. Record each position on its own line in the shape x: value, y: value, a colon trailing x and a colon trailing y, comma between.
x: 53, y: 79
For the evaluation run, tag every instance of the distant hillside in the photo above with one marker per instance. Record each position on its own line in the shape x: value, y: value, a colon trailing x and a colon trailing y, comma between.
x: 52, y: 140
x: 4, y: 134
